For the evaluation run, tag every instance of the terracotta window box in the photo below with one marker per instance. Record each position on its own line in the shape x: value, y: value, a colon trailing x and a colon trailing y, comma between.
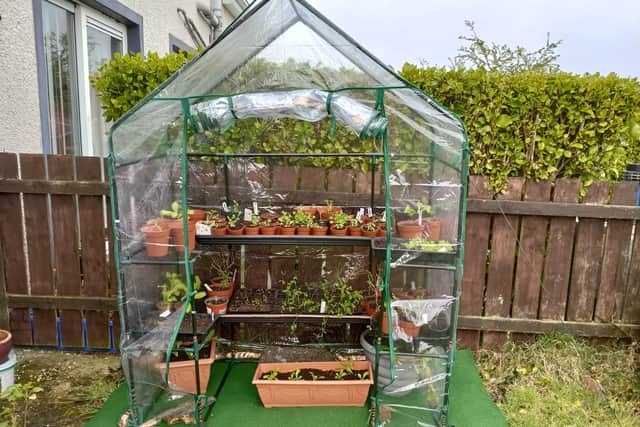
x: 286, y: 393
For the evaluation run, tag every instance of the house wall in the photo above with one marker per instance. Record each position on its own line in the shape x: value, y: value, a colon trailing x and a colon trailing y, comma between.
x: 19, y: 103
x: 161, y: 19
x: 20, y: 125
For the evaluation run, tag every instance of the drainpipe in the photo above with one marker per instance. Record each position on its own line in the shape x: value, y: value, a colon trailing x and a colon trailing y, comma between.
x: 216, y: 20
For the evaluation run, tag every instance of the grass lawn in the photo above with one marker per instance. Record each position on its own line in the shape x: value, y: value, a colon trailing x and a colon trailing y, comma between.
x: 559, y: 380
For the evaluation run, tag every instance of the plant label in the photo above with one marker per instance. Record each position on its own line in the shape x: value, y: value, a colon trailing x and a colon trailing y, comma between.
x: 225, y: 207
x: 255, y: 207
x: 384, y: 216
x: 323, y: 306
x: 247, y: 214
x: 360, y: 214
x: 165, y: 314
x: 370, y: 212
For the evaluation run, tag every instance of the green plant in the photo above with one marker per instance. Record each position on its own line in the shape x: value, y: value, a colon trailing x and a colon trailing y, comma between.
x: 212, y: 215
x: 339, y: 220
x: 303, y: 219
x: 354, y: 222
x: 234, y: 215
x: 314, y: 377
x: 295, y: 375
x: 341, y: 299
x: 422, y: 244
x: 18, y: 398
x: 286, y: 220
x: 339, y: 375
x: 122, y: 82
x: 175, y: 289
x: 175, y: 211
x: 420, y: 208
x: 370, y: 226
x: 255, y: 221
x: 296, y: 299
x: 266, y: 223
x: 272, y: 375
x: 363, y: 375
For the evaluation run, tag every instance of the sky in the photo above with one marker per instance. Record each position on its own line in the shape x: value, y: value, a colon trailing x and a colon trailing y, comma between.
x: 597, y: 36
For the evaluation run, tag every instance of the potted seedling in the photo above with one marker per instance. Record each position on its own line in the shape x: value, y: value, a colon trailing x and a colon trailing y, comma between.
x: 223, y: 283
x: 175, y: 215
x: 303, y: 221
x: 267, y: 228
x: 5, y: 345
x: 309, y: 210
x: 196, y: 215
x: 369, y: 229
x: 416, y: 224
x: 371, y: 301
x: 253, y: 227
x: 326, y: 212
x: 336, y: 383
x: 319, y: 230
x: 354, y: 227
x: 339, y: 224
x: 156, y: 239
x: 174, y: 290
x: 181, y: 374
x: 216, y: 305
x: 204, y: 226
x: 234, y: 226
x: 287, y: 224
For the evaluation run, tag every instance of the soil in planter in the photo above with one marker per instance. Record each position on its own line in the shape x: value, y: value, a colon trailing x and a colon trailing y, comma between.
x: 283, y: 354
x: 320, y: 375
x: 180, y: 355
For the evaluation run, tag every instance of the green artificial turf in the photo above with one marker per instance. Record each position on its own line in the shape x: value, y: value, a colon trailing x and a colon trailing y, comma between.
x: 239, y: 405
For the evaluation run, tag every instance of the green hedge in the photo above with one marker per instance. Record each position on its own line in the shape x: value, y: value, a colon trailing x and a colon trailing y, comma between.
x: 540, y: 126
x: 536, y: 125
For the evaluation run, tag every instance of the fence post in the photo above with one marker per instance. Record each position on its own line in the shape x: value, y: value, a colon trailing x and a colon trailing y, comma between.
x: 4, y: 300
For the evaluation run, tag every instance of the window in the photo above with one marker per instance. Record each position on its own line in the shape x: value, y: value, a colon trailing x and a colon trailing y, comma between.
x: 77, y: 40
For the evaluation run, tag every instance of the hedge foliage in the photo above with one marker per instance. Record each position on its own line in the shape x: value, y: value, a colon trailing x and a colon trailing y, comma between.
x: 540, y: 125
x: 532, y: 124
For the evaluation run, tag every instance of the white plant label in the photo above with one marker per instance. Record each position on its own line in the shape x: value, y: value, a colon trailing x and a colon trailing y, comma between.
x: 255, y: 208
x: 323, y: 306
x: 165, y: 314
x: 369, y: 212
x: 247, y: 214
x: 225, y: 207
x: 420, y: 217
x: 384, y: 216
x: 360, y: 214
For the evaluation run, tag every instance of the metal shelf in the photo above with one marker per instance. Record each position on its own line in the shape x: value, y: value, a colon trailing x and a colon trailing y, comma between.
x: 284, y: 240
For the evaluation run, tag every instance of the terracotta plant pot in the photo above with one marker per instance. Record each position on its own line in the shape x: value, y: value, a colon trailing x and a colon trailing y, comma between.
x: 319, y: 231
x: 236, y: 231
x: 219, y: 290
x: 410, y: 229
x: 433, y: 226
x: 268, y: 216
x: 384, y: 325
x: 303, y: 231
x: 182, y: 375
x: 287, y: 231
x: 279, y: 393
x: 355, y: 231
x: 325, y: 213
x: 382, y: 229
x: 198, y: 215
x: 268, y: 231
x: 369, y: 305
x: 219, y: 231
x: 367, y: 233
x: 338, y: 231
x: 252, y: 231
x: 178, y: 235
x: 216, y: 305
x: 5, y: 345
x: 156, y: 239
x: 409, y: 328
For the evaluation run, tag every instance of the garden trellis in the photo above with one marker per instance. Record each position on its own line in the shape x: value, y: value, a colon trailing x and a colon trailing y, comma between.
x: 282, y: 62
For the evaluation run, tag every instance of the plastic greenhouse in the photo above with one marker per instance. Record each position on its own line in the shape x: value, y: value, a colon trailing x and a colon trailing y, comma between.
x: 286, y: 112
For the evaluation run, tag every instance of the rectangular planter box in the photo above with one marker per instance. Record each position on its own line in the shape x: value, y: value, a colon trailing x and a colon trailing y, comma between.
x: 182, y: 375
x: 311, y: 393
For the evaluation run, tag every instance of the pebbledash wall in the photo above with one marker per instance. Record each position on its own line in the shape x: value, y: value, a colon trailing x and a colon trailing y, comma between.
x: 152, y: 26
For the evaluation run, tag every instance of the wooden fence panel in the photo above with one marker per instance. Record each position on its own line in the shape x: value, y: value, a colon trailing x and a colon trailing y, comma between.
x: 67, y: 277
x: 557, y: 268
x: 631, y: 310
x: 616, y: 257
x: 526, y: 290
x: 475, y: 262
x: 505, y: 234
x: 32, y: 166
x: 12, y: 256
x: 587, y: 258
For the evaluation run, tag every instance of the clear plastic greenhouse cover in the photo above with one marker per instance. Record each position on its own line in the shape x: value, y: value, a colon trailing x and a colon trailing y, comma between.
x: 285, y: 110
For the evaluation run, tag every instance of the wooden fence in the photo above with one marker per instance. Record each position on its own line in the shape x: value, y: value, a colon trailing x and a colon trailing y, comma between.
x: 537, y: 258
